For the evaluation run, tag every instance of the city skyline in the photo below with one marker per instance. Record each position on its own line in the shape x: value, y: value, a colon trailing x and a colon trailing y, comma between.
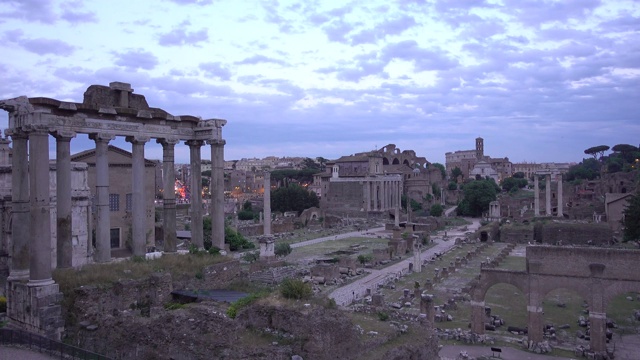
x: 539, y: 81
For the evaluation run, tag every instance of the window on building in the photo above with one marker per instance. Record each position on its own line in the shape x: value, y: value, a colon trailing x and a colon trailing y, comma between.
x: 114, y: 202
x: 115, y: 238
x: 129, y: 202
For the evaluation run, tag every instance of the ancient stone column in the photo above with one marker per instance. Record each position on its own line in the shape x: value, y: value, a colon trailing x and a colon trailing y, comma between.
x: 367, y: 196
x: 598, y: 326
x: 138, y: 213
x: 40, y: 259
x: 217, y: 193
x: 477, y: 317
x: 548, y: 194
x: 64, y: 246
x: 267, y: 203
x: 168, y: 194
x: 20, y: 208
x: 560, y: 202
x: 535, y: 330
x: 196, y: 193
x: 103, y: 222
x: 536, y: 196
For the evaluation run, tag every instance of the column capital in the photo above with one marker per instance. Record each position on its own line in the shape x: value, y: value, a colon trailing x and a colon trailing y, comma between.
x: 101, y: 137
x: 167, y: 141
x: 217, y: 142
x: 16, y: 133
x: 194, y: 143
x: 137, y: 139
x: 63, y: 135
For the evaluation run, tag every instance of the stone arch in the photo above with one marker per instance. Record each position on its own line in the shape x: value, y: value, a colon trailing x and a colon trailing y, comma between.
x: 618, y: 288
x: 489, y: 278
x: 396, y: 161
x: 406, y: 162
x: 385, y: 161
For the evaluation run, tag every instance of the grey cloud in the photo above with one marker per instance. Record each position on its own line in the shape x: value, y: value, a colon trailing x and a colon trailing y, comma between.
x: 424, y: 59
x: 534, y: 13
x: 136, y: 59
x: 337, y: 30
x: 39, y: 46
x: 259, y: 59
x: 389, y: 27
x: 623, y: 23
x: 30, y: 10
x: 179, y: 36
x: 216, y: 69
x: 192, y: 2
x: 78, y: 16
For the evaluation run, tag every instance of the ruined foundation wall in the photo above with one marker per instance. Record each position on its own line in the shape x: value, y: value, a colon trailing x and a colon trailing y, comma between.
x: 575, y: 234
x: 575, y: 261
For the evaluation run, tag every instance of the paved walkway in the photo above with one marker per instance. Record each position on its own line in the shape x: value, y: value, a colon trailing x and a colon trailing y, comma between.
x: 336, y: 237
x: 450, y: 352
x: 22, y: 354
x: 357, y: 289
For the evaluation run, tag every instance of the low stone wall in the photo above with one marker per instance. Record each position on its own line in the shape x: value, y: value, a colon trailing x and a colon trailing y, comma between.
x: 575, y: 234
x: 517, y: 234
x: 90, y: 302
x: 258, y: 229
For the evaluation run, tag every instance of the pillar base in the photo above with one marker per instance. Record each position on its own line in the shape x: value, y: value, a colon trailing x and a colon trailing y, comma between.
x: 43, y: 282
x: 18, y: 275
x: 35, y: 308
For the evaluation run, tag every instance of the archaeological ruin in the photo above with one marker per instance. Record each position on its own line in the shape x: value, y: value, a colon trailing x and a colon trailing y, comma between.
x: 105, y: 113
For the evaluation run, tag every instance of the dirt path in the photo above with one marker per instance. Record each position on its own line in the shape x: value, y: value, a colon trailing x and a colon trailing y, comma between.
x: 452, y: 351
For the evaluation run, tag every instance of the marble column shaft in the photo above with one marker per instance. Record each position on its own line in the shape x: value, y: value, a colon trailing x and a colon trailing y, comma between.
x: 64, y: 246
x: 40, y: 259
x: 560, y: 201
x: 103, y: 221
x: 536, y: 195
x: 217, y: 193
x: 21, y: 211
x: 548, y: 195
x: 138, y: 210
x: 535, y: 327
x: 168, y: 194
x: 196, y: 193
x: 267, y: 203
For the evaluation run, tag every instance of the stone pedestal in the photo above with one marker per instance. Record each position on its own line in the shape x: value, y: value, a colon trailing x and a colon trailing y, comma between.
x: 426, y: 306
x: 535, y: 330
x: 477, y: 317
x: 397, y: 245
x: 267, y: 248
x: 35, y: 308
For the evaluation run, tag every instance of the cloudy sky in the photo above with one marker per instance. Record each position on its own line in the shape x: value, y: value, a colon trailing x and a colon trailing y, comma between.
x: 538, y: 80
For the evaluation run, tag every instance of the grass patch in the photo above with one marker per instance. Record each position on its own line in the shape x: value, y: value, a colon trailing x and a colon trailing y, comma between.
x: 106, y: 274
x: 232, y: 311
x: 515, y: 263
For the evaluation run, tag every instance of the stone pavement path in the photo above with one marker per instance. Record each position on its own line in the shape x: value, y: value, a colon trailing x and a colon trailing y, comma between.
x: 357, y: 289
x: 22, y: 354
x: 450, y: 352
x: 336, y: 237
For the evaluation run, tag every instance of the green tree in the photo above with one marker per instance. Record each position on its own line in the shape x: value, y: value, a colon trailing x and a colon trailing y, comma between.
x: 282, y: 249
x: 235, y: 240
x: 415, y: 206
x: 455, y: 172
x: 513, y: 184
x: 477, y: 196
x: 442, y: 169
x: 322, y: 161
x: 597, y: 151
x: 631, y: 220
x: 435, y: 189
x: 588, y: 169
x: 363, y: 259
x: 293, y: 198
x: 309, y: 163
x: 436, y: 210
x: 519, y: 175
x: 247, y: 212
x: 452, y: 185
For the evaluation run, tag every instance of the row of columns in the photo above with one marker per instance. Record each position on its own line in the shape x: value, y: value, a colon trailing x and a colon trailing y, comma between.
x: 381, y: 195
x: 536, y: 196
x: 31, y: 224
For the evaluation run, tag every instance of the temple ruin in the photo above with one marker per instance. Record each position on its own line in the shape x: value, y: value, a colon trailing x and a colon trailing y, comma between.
x: 105, y: 113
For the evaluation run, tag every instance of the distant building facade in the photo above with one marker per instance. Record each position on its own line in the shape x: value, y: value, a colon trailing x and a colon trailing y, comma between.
x: 474, y: 163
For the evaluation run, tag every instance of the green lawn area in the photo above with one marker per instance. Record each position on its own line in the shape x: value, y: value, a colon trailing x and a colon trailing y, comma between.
x: 336, y: 248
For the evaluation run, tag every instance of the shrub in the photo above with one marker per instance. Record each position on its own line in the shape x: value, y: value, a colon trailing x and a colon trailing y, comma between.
x: 363, y: 259
x: 331, y: 304
x: 173, y: 306
x: 383, y: 316
x: 232, y: 311
x: 436, y: 210
x: 214, y: 250
x: 295, y: 289
x: 282, y: 249
x: 251, y: 256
